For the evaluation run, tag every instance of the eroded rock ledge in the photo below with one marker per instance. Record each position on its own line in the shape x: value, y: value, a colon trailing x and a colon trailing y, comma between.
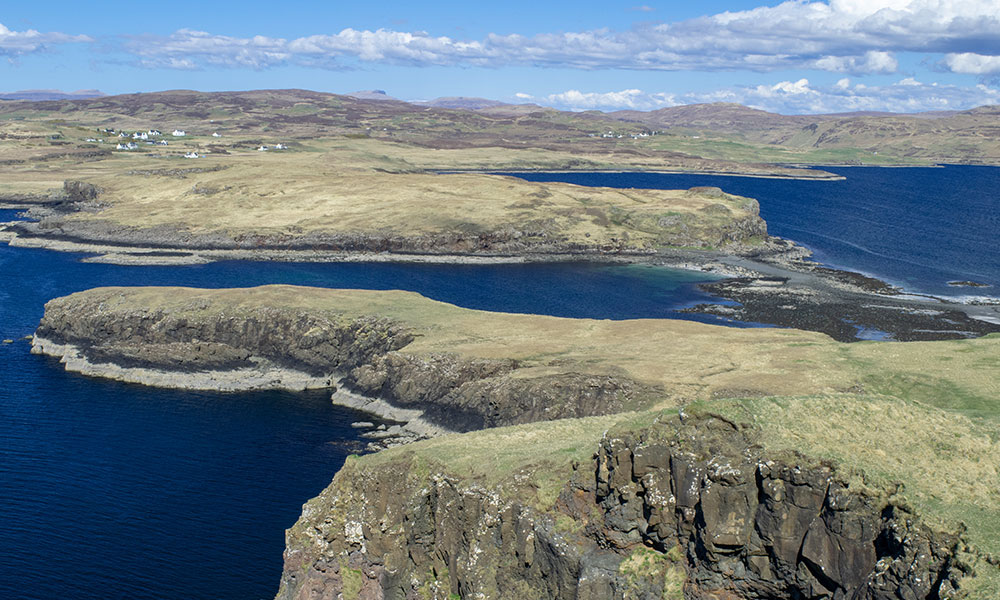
x: 692, y: 509
x: 207, y: 343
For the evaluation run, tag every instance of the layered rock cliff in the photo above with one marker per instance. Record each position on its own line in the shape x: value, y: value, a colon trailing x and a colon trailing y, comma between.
x: 208, y: 343
x: 691, y: 508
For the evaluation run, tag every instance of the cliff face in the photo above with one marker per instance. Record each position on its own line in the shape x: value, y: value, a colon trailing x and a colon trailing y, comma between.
x: 207, y: 343
x: 159, y: 339
x: 692, y: 509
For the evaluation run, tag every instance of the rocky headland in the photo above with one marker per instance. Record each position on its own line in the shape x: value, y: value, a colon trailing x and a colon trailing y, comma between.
x: 602, y: 459
x: 564, y: 458
x: 493, y: 218
x: 685, y: 508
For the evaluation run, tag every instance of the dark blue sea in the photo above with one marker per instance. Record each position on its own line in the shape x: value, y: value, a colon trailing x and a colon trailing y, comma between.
x: 111, y: 490
x: 917, y: 228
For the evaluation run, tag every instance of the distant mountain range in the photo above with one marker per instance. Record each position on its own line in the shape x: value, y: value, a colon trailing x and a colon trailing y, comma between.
x: 38, y: 95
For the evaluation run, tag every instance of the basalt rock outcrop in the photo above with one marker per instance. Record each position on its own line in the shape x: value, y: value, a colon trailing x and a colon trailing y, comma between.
x: 100, y: 333
x: 693, y: 509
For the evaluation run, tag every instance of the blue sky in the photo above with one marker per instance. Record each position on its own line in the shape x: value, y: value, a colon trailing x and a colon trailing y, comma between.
x: 794, y: 57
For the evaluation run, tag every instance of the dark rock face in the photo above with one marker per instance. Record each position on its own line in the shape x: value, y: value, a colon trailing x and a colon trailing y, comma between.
x: 477, y: 393
x: 741, y: 526
x: 456, y: 392
x: 766, y: 528
x: 158, y: 339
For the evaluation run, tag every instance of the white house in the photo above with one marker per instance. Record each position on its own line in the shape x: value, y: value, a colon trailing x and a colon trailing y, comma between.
x: 162, y: 142
x: 178, y: 133
x: 153, y: 132
x: 128, y: 146
x: 191, y: 155
x: 262, y: 149
x: 140, y: 135
x: 280, y: 147
x: 216, y: 134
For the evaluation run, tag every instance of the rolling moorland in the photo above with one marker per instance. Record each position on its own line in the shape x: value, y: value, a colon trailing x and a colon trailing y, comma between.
x: 365, y: 172
x: 580, y: 458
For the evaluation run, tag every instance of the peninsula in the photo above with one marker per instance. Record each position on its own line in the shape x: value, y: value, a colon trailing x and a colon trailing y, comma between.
x: 606, y: 458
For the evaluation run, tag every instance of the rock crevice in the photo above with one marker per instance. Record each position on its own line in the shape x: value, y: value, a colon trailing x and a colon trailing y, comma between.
x: 692, y: 510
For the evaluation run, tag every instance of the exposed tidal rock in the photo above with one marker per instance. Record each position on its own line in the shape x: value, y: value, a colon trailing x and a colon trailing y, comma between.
x: 692, y: 509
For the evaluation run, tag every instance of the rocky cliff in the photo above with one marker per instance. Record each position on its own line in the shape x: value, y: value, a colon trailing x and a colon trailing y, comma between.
x: 601, y: 488
x: 206, y: 342
x: 692, y: 508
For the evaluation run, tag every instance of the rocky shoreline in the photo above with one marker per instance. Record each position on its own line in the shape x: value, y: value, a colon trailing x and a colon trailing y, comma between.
x: 789, y: 290
x: 209, y: 344
x: 775, y: 283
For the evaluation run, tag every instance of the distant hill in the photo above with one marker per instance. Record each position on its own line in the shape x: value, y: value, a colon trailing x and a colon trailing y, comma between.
x: 693, y: 137
x: 42, y: 95
x: 372, y: 95
x: 721, y: 116
x: 462, y: 102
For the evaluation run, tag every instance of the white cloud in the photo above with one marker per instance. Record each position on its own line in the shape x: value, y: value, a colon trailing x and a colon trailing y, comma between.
x: 626, y: 99
x: 796, y: 97
x: 16, y: 43
x: 851, y: 36
x: 872, y: 62
x: 972, y: 63
x: 187, y: 49
x: 785, y: 88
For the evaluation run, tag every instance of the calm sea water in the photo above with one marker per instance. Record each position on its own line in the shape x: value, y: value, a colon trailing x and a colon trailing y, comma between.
x: 915, y: 227
x: 110, y: 490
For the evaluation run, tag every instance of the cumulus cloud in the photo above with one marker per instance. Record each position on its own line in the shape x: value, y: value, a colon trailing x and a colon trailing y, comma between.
x: 17, y: 43
x: 187, y: 49
x: 872, y: 62
x: 849, y: 36
x: 794, y: 97
x: 972, y: 63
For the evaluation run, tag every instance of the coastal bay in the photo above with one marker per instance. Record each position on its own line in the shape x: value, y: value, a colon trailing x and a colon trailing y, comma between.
x: 582, y: 423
